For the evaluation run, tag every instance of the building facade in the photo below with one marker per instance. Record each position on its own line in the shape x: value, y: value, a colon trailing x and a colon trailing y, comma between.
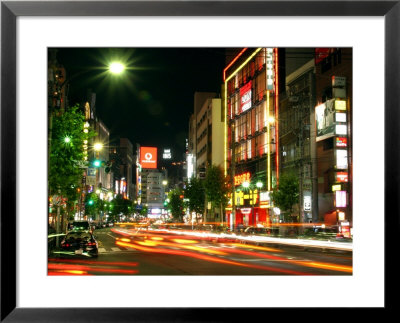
x: 333, y: 126
x: 251, y: 104
x: 297, y: 141
x: 199, y: 148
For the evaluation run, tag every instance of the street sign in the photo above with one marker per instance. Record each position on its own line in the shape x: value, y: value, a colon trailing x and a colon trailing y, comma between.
x: 91, y: 176
x: 56, y: 199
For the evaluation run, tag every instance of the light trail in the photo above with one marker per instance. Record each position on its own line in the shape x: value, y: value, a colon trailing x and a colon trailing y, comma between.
x: 211, y: 259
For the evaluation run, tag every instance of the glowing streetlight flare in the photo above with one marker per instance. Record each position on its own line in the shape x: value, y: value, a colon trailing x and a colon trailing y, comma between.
x: 98, y: 146
x: 116, y: 68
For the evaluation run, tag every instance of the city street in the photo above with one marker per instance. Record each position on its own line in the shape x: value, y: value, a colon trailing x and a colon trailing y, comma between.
x: 129, y: 251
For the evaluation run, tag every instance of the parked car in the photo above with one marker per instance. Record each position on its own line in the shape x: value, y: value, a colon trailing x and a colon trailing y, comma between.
x: 256, y: 230
x: 80, y: 226
x: 80, y: 242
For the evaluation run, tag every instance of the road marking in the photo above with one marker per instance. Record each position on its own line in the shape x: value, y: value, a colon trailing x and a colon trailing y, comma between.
x: 115, y: 249
x: 102, y: 250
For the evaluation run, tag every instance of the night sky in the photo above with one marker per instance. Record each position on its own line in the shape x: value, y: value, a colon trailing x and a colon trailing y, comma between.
x: 151, y: 102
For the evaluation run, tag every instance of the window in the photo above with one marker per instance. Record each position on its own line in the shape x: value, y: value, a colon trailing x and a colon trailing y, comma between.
x: 249, y: 151
x: 237, y: 103
x: 248, y: 124
x: 260, y: 59
x: 243, y: 151
x: 236, y: 130
x: 243, y: 126
x: 259, y: 87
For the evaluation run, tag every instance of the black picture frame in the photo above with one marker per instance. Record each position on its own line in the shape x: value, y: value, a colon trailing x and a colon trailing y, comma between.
x: 10, y: 10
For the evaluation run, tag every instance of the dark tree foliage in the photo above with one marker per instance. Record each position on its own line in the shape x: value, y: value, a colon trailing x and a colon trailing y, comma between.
x: 195, y: 195
x: 216, y: 187
x: 92, y: 204
x: 119, y: 206
x: 286, y: 194
x: 67, y: 153
x: 175, y: 204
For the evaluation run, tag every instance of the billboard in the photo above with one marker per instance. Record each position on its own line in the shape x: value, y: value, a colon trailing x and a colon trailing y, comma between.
x: 167, y: 153
x: 148, y: 157
x: 245, y: 97
x: 325, y: 118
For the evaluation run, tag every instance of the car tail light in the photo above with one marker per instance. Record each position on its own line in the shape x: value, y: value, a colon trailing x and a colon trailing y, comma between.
x: 91, y: 243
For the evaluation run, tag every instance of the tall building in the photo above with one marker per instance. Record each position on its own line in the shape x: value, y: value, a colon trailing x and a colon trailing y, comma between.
x: 333, y: 127
x: 57, y: 94
x: 127, y: 167
x: 152, y: 191
x: 104, y: 178
x: 297, y: 141
x: 251, y: 105
x: 209, y: 136
x: 198, y: 130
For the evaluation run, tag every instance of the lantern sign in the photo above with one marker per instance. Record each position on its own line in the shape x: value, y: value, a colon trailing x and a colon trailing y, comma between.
x: 239, y: 179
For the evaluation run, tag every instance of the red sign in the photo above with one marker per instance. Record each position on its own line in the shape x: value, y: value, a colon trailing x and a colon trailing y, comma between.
x: 245, y: 97
x: 341, y: 142
x: 342, y: 177
x: 321, y: 54
x: 239, y: 179
x: 148, y: 157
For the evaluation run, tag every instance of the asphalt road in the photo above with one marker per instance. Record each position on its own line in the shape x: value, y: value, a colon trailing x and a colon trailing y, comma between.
x: 131, y: 251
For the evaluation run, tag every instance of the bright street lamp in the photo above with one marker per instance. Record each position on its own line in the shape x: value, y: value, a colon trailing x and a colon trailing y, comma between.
x: 116, y: 67
x: 98, y: 146
x: 246, y: 184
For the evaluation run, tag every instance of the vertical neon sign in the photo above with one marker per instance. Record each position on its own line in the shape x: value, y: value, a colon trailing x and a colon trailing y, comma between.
x: 276, y: 116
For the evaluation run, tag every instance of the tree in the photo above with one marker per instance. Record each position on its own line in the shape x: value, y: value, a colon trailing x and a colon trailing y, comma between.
x: 195, y: 195
x: 175, y: 204
x: 286, y: 194
x: 67, y: 154
x: 216, y: 188
x: 67, y: 151
x: 92, y: 205
x: 144, y: 211
x: 119, y: 206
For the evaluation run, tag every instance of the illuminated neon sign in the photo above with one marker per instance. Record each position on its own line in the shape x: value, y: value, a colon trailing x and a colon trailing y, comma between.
x: 340, y: 105
x: 270, y: 69
x: 239, y: 179
x: 245, y: 97
x: 341, y: 199
x: 341, y: 142
x: 342, y: 177
x: 341, y: 159
x: 148, y: 157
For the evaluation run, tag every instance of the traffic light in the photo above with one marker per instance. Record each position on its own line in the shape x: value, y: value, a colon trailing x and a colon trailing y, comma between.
x: 90, y: 202
x: 108, y: 167
x: 96, y: 163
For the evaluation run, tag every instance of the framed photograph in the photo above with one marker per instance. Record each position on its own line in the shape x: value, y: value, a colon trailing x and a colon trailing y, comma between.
x: 33, y: 291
